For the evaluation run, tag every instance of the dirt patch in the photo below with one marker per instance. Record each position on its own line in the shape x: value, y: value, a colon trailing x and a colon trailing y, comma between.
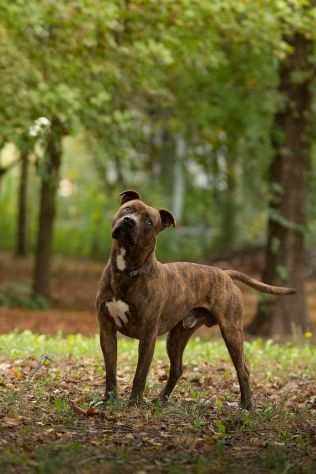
x: 48, y: 321
x: 74, y: 284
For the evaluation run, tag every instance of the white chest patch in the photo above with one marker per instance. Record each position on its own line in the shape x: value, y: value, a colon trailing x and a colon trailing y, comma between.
x: 118, y: 310
x: 120, y: 259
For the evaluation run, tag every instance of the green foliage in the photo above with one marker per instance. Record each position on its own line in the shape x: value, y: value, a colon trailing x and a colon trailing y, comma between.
x: 16, y: 295
x: 125, y: 75
x: 7, y: 212
x: 48, y: 461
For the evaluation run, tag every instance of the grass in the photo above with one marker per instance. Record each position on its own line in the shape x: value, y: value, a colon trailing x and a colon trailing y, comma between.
x: 47, y: 384
x: 261, y: 353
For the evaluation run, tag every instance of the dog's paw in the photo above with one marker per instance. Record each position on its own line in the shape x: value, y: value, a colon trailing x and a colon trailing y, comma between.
x: 137, y: 402
x: 159, y: 401
x: 246, y: 405
x: 162, y: 398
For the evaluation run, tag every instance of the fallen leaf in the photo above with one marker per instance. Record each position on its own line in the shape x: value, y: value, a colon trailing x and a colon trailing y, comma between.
x: 91, y: 411
x: 9, y: 421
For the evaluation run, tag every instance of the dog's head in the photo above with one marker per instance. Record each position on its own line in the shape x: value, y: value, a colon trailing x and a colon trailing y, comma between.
x: 136, y: 225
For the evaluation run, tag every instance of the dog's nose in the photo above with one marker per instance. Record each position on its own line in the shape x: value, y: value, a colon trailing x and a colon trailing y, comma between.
x: 125, y: 226
x: 128, y: 221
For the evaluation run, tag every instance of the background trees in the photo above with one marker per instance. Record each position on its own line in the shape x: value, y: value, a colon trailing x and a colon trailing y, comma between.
x: 289, y: 179
x: 191, y: 102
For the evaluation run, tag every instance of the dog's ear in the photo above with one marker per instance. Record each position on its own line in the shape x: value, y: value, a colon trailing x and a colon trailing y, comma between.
x: 167, y: 219
x: 128, y: 196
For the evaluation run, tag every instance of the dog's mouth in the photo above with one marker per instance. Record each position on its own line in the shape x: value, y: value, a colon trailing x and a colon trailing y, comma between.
x: 125, y: 230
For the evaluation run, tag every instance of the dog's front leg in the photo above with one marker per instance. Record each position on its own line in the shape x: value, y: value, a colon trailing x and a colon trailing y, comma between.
x: 146, y: 350
x: 108, y: 340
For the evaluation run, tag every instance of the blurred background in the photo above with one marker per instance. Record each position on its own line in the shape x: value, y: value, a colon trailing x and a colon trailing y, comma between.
x: 206, y: 108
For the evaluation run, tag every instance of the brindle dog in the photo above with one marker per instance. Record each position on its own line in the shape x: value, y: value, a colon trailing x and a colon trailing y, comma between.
x: 143, y: 298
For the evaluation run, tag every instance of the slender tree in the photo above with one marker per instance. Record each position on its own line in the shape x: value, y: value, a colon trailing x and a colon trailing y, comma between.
x: 50, y: 176
x: 21, y: 228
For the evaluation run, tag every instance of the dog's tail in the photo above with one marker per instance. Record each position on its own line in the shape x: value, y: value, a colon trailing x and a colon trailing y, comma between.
x: 258, y: 285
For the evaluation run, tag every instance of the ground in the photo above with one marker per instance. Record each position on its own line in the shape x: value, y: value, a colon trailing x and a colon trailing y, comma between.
x: 46, y: 426
x: 50, y: 383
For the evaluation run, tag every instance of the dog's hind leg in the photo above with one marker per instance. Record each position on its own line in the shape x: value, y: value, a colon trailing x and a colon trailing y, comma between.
x: 231, y: 325
x: 176, y: 342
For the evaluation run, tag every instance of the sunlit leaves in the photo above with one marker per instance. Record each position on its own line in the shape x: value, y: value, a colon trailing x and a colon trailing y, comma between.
x: 198, y: 60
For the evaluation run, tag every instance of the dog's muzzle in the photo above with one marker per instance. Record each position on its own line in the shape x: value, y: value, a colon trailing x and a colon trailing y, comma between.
x: 125, y: 228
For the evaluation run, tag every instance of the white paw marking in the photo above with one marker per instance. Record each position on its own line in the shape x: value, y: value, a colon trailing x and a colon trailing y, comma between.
x: 118, y: 310
x: 120, y: 259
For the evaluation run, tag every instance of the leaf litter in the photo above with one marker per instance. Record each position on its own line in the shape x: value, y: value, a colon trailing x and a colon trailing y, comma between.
x: 50, y: 420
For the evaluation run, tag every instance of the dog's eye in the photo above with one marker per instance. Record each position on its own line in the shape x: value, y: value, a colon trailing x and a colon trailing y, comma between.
x: 148, y: 221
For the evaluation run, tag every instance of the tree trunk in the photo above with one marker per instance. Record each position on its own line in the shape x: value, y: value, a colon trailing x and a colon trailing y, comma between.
x: 289, y: 173
x: 47, y: 212
x: 167, y: 160
x: 229, y: 207
x: 225, y: 199
x: 119, y: 172
x: 21, y: 232
x: 178, y: 192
